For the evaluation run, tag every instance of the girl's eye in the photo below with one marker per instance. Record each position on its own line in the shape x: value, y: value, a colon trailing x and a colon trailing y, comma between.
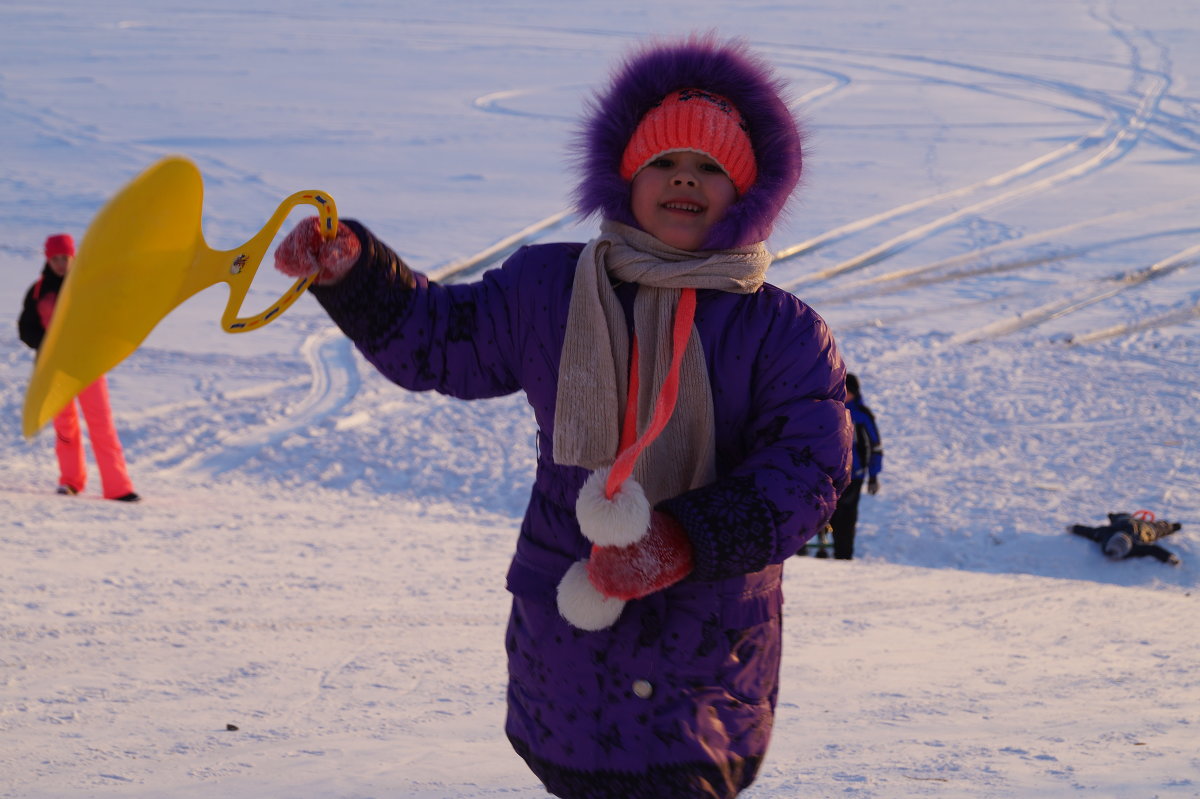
x: 662, y: 163
x: 714, y: 168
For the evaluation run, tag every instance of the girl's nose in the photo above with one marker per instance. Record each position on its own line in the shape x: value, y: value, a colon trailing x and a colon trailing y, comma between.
x: 684, y: 178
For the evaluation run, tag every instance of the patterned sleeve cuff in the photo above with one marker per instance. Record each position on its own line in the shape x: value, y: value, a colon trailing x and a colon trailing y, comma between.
x: 732, y: 528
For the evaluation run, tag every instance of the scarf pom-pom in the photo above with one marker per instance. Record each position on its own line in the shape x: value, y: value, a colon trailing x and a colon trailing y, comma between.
x: 617, y: 522
x: 582, y: 605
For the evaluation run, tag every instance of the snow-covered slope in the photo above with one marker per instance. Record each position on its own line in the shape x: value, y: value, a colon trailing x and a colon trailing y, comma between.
x: 999, y: 220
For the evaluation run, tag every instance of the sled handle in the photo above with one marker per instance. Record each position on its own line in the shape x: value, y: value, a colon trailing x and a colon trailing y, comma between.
x: 1144, y: 515
x: 243, y: 262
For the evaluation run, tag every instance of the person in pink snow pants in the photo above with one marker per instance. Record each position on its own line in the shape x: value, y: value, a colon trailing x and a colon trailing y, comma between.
x: 93, y: 400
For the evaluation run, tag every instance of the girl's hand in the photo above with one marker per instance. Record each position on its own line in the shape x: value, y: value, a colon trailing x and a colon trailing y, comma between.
x: 305, y: 251
x: 660, y: 559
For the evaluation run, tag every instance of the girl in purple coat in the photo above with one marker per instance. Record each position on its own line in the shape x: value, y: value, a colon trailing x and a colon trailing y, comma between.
x: 693, y: 432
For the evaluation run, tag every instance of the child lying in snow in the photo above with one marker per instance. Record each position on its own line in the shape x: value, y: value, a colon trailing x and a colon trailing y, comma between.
x: 1126, y: 536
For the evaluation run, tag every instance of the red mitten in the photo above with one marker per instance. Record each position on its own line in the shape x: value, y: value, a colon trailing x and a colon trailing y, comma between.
x: 305, y: 251
x: 661, y: 558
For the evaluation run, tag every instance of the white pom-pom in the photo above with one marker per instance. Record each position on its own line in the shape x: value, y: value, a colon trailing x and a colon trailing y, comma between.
x: 582, y: 605
x: 616, y: 522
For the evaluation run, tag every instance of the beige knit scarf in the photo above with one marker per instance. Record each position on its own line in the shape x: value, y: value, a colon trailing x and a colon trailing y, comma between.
x: 593, y: 375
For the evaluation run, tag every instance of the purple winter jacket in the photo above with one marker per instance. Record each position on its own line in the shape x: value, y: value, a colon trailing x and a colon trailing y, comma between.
x: 677, y: 698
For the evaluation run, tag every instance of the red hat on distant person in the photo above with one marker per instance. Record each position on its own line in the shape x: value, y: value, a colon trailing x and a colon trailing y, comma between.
x: 60, y: 244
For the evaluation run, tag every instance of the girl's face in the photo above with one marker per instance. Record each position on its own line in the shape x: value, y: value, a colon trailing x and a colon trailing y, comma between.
x: 59, y: 264
x: 680, y: 195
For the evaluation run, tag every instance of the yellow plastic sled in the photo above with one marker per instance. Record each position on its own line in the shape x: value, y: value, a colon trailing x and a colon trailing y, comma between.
x: 143, y: 255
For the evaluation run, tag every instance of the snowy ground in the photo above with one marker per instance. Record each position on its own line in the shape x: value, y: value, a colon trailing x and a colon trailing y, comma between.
x: 1000, y: 219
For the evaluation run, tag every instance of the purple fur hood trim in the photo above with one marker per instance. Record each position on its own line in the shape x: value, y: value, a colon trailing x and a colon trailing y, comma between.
x: 725, y: 68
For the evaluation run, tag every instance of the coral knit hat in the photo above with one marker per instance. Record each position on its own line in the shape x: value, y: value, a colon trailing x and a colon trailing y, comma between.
x: 699, y: 121
x: 60, y: 244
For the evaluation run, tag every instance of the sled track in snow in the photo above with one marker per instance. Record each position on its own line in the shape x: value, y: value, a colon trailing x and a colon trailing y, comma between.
x: 334, y: 383
x: 1109, y: 287
x: 952, y: 269
x: 1181, y: 315
x: 474, y: 265
x: 1130, y: 122
x: 1102, y: 147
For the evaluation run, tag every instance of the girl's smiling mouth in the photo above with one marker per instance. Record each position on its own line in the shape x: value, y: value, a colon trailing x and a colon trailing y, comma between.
x: 683, y: 205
